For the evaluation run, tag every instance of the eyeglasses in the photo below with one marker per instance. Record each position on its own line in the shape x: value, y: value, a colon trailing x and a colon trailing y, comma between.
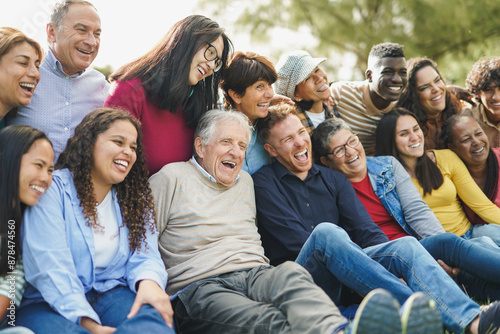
x: 211, y: 54
x: 339, y: 151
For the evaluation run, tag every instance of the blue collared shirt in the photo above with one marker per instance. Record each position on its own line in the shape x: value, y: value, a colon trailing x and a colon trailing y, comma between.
x: 60, y: 101
x: 59, y: 253
x: 288, y: 209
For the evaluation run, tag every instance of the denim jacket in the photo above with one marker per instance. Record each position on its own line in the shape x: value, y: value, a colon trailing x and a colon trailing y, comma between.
x: 393, y: 186
x: 58, y: 254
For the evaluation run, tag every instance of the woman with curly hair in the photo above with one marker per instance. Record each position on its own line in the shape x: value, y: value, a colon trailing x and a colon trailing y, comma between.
x: 90, y: 246
x: 483, y: 81
x: 427, y: 96
x: 171, y: 86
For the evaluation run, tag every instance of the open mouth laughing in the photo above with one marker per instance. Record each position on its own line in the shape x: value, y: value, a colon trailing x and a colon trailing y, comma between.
x: 229, y: 164
x: 121, y: 164
x: 353, y: 160
x: 201, y: 70
x: 302, y: 156
x: 478, y: 150
x: 39, y: 189
x: 437, y: 98
x: 84, y: 51
x: 29, y: 87
x: 395, y: 89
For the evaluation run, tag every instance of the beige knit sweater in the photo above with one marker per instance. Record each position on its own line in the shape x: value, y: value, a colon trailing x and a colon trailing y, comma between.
x: 205, y: 229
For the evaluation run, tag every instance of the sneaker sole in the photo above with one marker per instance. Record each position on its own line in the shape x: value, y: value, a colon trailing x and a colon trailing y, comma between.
x: 421, y: 316
x: 378, y: 313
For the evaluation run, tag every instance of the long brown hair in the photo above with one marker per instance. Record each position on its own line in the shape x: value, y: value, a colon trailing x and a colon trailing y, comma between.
x: 164, y: 71
x: 15, y: 141
x: 428, y: 174
x: 410, y: 100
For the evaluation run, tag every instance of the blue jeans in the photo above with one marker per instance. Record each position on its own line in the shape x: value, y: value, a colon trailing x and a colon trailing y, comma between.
x: 333, y: 259
x: 487, y: 230
x: 112, y: 307
x: 479, y: 237
x: 480, y: 263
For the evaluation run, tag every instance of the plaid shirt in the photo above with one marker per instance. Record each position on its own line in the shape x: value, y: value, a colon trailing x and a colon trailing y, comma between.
x: 306, y: 121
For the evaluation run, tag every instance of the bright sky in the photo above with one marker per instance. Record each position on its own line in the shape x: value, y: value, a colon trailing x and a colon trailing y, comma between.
x: 131, y: 28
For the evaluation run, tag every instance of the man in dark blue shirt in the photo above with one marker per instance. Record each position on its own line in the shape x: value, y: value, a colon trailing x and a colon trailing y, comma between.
x: 308, y: 213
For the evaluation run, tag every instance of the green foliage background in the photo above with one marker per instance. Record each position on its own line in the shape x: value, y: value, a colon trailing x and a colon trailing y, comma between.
x: 453, y: 33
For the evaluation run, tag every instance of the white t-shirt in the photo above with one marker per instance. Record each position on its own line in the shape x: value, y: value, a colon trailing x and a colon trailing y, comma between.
x: 316, y: 118
x: 106, y: 237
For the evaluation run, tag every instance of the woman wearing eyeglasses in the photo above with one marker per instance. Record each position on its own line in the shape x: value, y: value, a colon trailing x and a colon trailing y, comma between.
x: 171, y: 86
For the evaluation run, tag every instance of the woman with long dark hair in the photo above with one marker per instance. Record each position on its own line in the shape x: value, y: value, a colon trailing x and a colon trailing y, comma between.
x: 427, y: 96
x: 90, y: 246
x: 171, y: 86
x: 439, y: 175
x: 26, y: 165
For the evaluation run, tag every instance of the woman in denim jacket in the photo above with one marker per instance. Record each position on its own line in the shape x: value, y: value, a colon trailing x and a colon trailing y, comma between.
x: 388, y: 190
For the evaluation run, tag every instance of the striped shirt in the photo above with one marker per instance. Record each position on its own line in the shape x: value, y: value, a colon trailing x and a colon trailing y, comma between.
x: 352, y: 101
x: 12, y: 284
x: 205, y: 229
x: 307, y: 122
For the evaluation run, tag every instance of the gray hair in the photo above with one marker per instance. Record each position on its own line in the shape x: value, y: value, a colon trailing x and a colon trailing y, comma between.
x: 323, y: 133
x: 61, y: 9
x: 208, y: 122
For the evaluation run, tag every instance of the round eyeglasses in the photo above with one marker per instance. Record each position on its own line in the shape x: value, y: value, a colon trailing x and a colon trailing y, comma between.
x: 211, y: 54
x: 339, y: 151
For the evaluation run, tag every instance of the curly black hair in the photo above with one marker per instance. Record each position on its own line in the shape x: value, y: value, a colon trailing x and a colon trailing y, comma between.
x: 387, y: 50
x: 485, y: 71
x: 134, y: 194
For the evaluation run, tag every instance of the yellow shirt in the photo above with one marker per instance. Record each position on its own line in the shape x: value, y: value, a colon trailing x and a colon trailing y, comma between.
x: 445, y: 202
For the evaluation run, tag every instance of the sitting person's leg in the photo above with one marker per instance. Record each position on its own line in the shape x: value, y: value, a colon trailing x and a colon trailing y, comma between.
x: 480, y: 264
x: 480, y: 261
x: 406, y: 258
x: 264, y: 300
x: 114, y: 305
x: 41, y: 318
x: 331, y: 257
x: 477, y: 288
x: 487, y: 230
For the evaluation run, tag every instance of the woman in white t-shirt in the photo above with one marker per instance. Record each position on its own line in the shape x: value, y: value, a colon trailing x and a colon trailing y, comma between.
x: 90, y: 246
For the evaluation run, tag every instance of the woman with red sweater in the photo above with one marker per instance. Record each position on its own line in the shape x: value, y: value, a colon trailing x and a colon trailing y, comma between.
x: 171, y: 86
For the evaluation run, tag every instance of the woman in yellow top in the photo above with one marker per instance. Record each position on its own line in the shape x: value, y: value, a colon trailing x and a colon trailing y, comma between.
x: 439, y: 175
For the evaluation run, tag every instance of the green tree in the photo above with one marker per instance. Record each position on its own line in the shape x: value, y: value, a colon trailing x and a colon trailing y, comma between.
x: 106, y: 70
x: 455, y: 33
